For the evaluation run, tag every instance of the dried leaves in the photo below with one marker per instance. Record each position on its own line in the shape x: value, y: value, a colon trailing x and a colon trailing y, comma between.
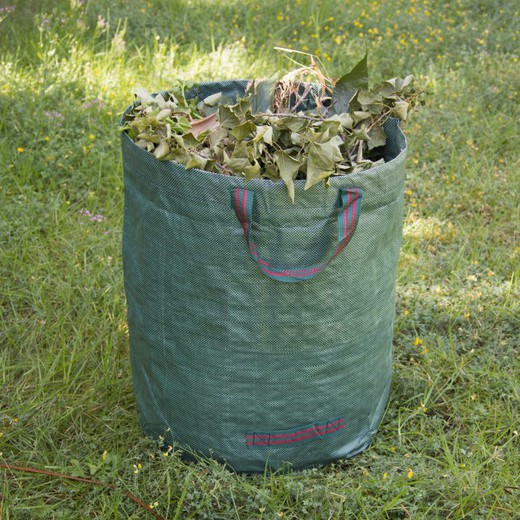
x: 283, y: 128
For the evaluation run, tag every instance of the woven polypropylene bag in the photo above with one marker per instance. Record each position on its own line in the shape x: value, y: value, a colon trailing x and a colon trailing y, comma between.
x: 228, y: 359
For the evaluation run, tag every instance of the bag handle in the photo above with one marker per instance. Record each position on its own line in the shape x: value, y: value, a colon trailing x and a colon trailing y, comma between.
x: 351, y: 200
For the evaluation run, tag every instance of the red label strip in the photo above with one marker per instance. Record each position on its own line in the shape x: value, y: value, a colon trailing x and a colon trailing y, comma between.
x: 296, y: 435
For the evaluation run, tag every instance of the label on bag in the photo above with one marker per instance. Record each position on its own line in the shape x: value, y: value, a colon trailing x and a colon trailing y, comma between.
x: 303, y: 433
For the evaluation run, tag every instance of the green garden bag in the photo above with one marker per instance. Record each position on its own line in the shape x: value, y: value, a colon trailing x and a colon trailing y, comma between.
x: 261, y: 330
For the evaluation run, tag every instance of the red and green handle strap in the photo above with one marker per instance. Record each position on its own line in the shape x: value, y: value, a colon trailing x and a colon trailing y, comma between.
x: 351, y: 200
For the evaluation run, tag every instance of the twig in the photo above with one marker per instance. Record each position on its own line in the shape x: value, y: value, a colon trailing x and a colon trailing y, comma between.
x: 379, y: 119
x: 407, y: 513
x: 201, y: 155
x: 385, y: 114
x: 224, y: 169
x: 303, y: 97
x: 360, y: 152
x: 268, y: 154
x: 87, y: 480
x: 294, y: 51
x: 297, y: 114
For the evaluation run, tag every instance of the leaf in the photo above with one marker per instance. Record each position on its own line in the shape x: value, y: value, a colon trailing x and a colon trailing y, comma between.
x: 213, y: 99
x: 268, y: 135
x: 377, y: 137
x: 288, y: 167
x: 297, y: 139
x: 162, y: 150
x: 366, y: 165
x: 179, y: 155
x: 332, y: 125
x: 270, y: 171
x: 332, y: 148
x: 243, y: 130
x: 320, y: 160
x: 151, y: 138
x: 226, y: 117
x: 166, y: 112
x: 196, y: 161
x: 142, y: 143
x: 361, y: 134
x: 262, y: 94
x: 242, y: 108
x: 346, y: 121
x: 216, y: 138
x: 391, y: 86
x: 201, y: 125
x: 366, y: 98
x: 186, y: 141
x: 238, y: 164
x: 401, y: 110
x: 142, y: 124
x: 143, y: 95
x: 160, y: 101
x: 407, y: 81
x: 242, y: 150
x: 348, y: 85
x: 252, y: 170
x: 264, y: 133
x: 180, y: 124
x: 293, y: 123
x: 360, y: 116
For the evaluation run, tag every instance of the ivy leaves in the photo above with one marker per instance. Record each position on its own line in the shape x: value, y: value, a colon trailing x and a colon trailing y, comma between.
x: 348, y: 85
x: 268, y: 134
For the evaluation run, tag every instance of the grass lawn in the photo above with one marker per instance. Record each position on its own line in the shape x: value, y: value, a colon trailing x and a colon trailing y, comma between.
x: 448, y: 446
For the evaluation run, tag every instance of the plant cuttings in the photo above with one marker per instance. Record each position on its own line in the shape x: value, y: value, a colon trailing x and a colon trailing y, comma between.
x: 300, y: 126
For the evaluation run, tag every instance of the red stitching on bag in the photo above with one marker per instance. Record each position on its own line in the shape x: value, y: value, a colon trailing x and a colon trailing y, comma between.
x: 299, y: 432
x: 296, y: 436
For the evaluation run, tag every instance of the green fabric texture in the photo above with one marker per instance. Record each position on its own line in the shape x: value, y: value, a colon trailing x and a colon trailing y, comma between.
x: 233, y: 364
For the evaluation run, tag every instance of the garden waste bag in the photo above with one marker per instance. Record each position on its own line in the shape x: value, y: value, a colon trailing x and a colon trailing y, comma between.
x: 261, y: 330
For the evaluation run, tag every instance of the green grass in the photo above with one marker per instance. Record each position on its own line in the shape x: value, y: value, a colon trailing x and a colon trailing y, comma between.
x: 65, y: 387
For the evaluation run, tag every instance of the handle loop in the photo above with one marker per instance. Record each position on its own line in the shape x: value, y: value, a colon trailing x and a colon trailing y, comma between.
x: 351, y: 200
